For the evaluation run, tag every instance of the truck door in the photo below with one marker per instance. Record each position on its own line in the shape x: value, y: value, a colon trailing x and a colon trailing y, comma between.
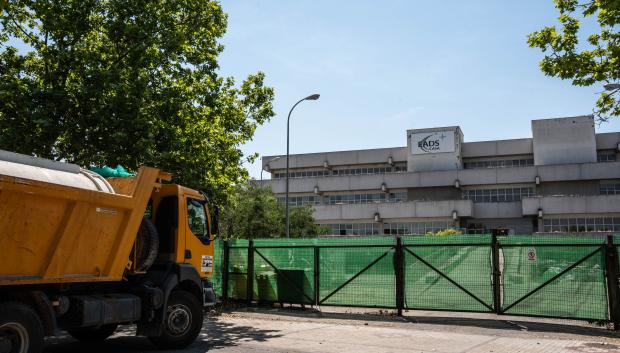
x: 198, y: 243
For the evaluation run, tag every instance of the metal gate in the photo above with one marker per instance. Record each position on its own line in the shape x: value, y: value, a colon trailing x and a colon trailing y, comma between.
x: 560, y: 277
x: 453, y: 276
x: 567, y: 279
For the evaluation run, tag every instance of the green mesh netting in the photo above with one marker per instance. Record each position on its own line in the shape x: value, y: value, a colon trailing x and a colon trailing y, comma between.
x: 374, y: 287
x: 441, y: 273
x: 448, y: 273
x: 528, y: 262
x: 217, y: 267
x: 238, y: 269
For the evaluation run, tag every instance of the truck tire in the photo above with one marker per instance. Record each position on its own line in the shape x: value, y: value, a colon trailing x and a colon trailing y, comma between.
x: 21, y: 329
x: 147, y: 245
x: 93, y: 334
x: 182, y: 322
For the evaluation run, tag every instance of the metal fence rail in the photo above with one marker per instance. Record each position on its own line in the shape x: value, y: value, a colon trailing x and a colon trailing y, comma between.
x: 562, y: 277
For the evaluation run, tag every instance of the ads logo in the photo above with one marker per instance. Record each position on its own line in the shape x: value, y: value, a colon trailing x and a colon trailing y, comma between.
x: 432, y: 142
x: 428, y: 145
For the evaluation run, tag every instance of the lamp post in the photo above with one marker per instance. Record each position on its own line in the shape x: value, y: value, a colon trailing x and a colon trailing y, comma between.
x: 312, y: 97
x: 268, y: 166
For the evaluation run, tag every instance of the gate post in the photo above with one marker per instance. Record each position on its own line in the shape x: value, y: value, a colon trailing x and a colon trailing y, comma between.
x: 317, y: 257
x: 250, y: 279
x: 225, y: 265
x: 611, y: 272
x: 400, y: 277
x: 497, y: 296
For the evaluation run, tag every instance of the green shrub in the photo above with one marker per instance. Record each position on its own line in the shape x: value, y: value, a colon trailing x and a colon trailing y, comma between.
x: 444, y: 232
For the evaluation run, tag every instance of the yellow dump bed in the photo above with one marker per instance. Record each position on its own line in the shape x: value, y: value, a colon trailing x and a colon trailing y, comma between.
x: 51, y: 233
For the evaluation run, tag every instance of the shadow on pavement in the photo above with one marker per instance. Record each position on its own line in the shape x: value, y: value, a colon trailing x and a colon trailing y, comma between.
x: 222, y: 334
x: 215, y: 334
x: 491, y: 322
x: 506, y: 323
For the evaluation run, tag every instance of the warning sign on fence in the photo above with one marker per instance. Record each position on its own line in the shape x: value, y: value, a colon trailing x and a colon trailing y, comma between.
x: 531, y: 254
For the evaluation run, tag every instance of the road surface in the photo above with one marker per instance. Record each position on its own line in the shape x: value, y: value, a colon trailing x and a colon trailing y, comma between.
x: 296, y: 331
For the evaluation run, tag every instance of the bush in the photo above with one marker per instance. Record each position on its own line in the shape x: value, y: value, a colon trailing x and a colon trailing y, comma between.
x: 444, y: 232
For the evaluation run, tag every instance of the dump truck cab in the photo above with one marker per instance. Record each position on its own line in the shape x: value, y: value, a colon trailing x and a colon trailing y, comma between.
x: 186, y: 232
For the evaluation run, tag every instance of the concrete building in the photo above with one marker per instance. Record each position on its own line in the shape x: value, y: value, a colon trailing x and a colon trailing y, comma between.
x: 566, y: 178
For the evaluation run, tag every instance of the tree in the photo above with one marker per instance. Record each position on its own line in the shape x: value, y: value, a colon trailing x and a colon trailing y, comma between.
x: 596, y: 62
x: 254, y: 212
x: 127, y: 82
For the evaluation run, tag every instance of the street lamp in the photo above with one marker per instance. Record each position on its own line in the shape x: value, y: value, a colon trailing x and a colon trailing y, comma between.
x: 309, y: 98
x: 268, y: 166
x: 612, y: 86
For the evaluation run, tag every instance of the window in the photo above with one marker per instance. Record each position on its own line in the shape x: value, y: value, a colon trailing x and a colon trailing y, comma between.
x: 302, y: 174
x: 609, y: 189
x: 397, y: 168
x: 498, y: 195
x: 397, y: 197
x: 352, y: 228
x: 367, y: 198
x: 300, y: 200
x: 505, y: 163
x: 581, y: 225
x: 606, y: 156
x: 411, y: 228
x: 198, y: 220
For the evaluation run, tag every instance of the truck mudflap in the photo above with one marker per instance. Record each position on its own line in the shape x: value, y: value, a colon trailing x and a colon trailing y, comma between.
x: 208, y: 293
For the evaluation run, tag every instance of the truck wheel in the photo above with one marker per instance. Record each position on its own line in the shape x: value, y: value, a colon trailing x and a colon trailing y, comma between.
x: 147, y: 245
x: 182, y: 322
x: 93, y: 334
x: 21, y: 330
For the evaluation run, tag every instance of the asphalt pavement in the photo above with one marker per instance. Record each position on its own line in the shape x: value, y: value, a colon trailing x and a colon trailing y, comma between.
x: 348, y: 330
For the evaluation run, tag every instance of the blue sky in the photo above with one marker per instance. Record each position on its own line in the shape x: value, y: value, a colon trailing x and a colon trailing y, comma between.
x: 384, y: 67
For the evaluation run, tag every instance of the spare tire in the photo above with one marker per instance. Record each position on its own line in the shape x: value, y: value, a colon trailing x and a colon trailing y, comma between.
x: 147, y: 246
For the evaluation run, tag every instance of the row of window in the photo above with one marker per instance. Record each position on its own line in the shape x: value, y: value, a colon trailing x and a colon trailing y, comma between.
x: 351, y: 229
x: 610, y: 189
x: 376, y: 170
x: 398, y: 228
x: 336, y: 172
x: 551, y: 225
x: 303, y: 174
x: 367, y: 198
x: 505, y: 163
x: 300, y: 200
x: 498, y: 195
x: 476, y: 195
x: 345, y: 199
x: 606, y: 157
x: 578, y: 225
x: 408, y: 228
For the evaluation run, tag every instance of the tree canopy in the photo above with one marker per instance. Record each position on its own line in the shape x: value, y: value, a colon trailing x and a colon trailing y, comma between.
x: 254, y: 212
x: 127, y: 82
x: 596, y: 62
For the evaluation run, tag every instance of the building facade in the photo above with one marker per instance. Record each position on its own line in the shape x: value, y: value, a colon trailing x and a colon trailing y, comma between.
x: 566, y: 178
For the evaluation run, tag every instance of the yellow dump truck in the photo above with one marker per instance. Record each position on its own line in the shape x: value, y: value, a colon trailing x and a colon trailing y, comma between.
x: 84, y: 254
